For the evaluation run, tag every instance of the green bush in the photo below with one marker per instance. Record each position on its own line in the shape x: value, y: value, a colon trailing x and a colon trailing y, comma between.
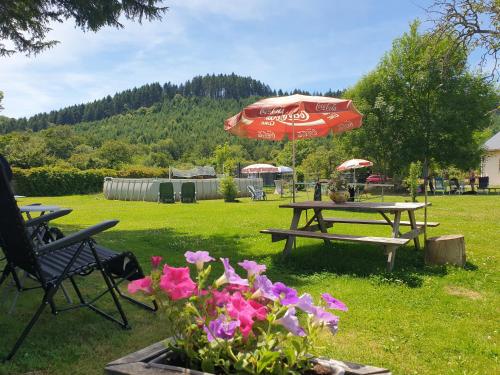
x: 53, y: 181
x: 413, y: 178
x: 228, y: 189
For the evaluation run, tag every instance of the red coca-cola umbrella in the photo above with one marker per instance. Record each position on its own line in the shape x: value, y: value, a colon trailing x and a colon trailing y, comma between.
x: 294, y: 117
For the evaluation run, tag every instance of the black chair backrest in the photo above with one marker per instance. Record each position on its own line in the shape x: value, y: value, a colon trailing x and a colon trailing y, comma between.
x: 16, y: 244
x: 484, y: 182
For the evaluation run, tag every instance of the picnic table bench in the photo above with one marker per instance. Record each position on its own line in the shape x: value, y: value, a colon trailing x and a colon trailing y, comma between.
x: 316, y: 227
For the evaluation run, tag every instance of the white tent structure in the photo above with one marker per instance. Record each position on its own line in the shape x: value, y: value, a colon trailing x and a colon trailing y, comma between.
x: 490, y: 165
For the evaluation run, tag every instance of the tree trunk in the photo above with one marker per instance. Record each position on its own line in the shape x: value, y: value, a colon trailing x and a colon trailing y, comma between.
x: 445, y: 249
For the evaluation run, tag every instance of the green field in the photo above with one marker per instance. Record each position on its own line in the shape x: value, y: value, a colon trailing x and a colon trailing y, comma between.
x: 416, y: 320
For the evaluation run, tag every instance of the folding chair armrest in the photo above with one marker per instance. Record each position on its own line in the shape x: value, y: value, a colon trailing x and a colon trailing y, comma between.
x: 77, y: 237
x: 47, y: 217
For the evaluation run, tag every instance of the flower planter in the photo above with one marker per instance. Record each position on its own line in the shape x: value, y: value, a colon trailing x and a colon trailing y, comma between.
x: 153, y: 360
x: 338, y: 196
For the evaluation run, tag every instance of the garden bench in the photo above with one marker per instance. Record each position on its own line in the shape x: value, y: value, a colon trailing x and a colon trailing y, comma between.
x: 390, y: 244
x: 334, y: 220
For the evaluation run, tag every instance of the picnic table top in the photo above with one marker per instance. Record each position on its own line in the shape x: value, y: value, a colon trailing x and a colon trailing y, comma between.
x: 39, y: 208
x: 357, y: 206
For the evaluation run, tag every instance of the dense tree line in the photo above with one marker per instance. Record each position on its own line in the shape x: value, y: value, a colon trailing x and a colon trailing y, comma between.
x: 216, y: 87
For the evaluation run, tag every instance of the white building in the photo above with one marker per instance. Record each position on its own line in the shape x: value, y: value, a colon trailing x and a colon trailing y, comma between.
x: 491, y: 162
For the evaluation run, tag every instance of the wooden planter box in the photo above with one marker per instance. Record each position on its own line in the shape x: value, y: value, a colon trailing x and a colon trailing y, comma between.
x: 148, y: 361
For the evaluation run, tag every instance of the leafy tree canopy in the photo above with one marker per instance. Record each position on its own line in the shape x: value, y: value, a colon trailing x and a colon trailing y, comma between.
x: 421, y: 102
x: 24, y: 24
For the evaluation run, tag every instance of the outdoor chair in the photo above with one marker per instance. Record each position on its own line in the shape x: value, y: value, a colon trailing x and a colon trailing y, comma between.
x: 256, y: 194
x: 67, y: 258
x: 188, y: 192
x: 483, y: 184
x: 439, y: 185
x: 455, y: 186
x: 166, y: 193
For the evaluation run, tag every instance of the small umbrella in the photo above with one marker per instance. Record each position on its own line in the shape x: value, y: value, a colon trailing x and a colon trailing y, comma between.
x: 354, y: 164
x: 260, y: 168
x: 282, y: 169
x: 294, y: 117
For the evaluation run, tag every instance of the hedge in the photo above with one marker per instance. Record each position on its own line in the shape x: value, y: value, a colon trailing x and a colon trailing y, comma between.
x: 53, y: 181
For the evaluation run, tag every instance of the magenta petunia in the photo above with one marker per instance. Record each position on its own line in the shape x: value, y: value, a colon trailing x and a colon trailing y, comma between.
x: 291, y: 323
x: 222, y: 327
x: 333, y: 303
x: 177, y: 283
x: 144, y: 285
x: 286, y: 295
x: 198, y: 257
x: 230, y: 276
x: 156, y: 261
x: 252, y: 268
x: 243, y: 311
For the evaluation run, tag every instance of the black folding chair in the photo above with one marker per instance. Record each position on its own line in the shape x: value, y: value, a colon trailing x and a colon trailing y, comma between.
x: 63, y: 259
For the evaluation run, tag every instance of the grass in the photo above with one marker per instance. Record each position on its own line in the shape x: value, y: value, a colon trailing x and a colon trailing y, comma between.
x: 416, y: 320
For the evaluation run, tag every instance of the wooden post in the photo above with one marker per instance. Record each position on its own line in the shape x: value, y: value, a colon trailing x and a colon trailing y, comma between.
x: 445, y: 249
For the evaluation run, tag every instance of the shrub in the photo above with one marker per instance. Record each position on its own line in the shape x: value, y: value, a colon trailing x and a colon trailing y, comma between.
x: 51, y: 181
x: 412, y: 179
x: 228, y: 189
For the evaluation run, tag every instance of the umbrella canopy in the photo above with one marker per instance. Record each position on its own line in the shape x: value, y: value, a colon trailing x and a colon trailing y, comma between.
x: 283, y: 169
x: 354, y: 164
x: 260, y: 168
x: 295, y: 117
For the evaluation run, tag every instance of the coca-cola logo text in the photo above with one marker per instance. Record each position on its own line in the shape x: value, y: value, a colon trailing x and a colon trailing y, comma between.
x: 301, y: 116
x: 266, y: 134
x: 326, y: 107
x: 273, y: 111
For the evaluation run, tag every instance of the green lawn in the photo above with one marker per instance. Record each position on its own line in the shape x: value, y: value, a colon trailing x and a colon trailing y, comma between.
x: 416, y: 320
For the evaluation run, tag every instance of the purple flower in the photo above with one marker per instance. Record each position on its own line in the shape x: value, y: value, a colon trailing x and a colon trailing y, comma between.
x: 222, y: 327
x: 263, y: 288
x: 333, y: 303
x: 287, y: 296
x: 327, y: 318
x: 229, y: 276
x: 198, y: 257
x: 252, y: 267
x: 291, y: 323
x: 306, y: 304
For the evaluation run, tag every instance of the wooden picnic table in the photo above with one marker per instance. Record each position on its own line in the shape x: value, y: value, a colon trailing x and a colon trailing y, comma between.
x: 390, y: 211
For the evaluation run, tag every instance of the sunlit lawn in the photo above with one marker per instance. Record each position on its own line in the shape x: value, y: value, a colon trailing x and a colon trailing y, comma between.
x: 416, y: 320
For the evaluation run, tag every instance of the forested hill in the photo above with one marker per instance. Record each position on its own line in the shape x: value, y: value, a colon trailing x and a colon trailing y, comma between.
x: 208, y: 86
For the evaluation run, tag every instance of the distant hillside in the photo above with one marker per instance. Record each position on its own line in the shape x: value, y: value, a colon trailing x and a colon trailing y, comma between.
x: 195, y: 125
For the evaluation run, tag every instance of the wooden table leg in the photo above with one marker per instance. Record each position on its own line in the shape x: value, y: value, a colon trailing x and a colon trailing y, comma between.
x: 395, y: 225
x: 297, y: 212
x: 391, y: 255
x: 321, y: 223
x: 413, y: 222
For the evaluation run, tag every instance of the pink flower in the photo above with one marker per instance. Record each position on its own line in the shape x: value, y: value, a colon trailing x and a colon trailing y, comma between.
x: 177, y: 283
x: 243, y: 311
x: 156, y: 261
x: 145, y: 285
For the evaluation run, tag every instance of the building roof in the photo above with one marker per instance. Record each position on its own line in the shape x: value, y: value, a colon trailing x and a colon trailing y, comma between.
x: 493, y: 143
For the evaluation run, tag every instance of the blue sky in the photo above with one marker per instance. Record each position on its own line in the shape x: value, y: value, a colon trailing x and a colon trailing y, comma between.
x: 314, y: 45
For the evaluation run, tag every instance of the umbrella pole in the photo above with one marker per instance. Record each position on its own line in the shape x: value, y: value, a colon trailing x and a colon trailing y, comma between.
x: 425, y: 199
x: 293, y: 158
